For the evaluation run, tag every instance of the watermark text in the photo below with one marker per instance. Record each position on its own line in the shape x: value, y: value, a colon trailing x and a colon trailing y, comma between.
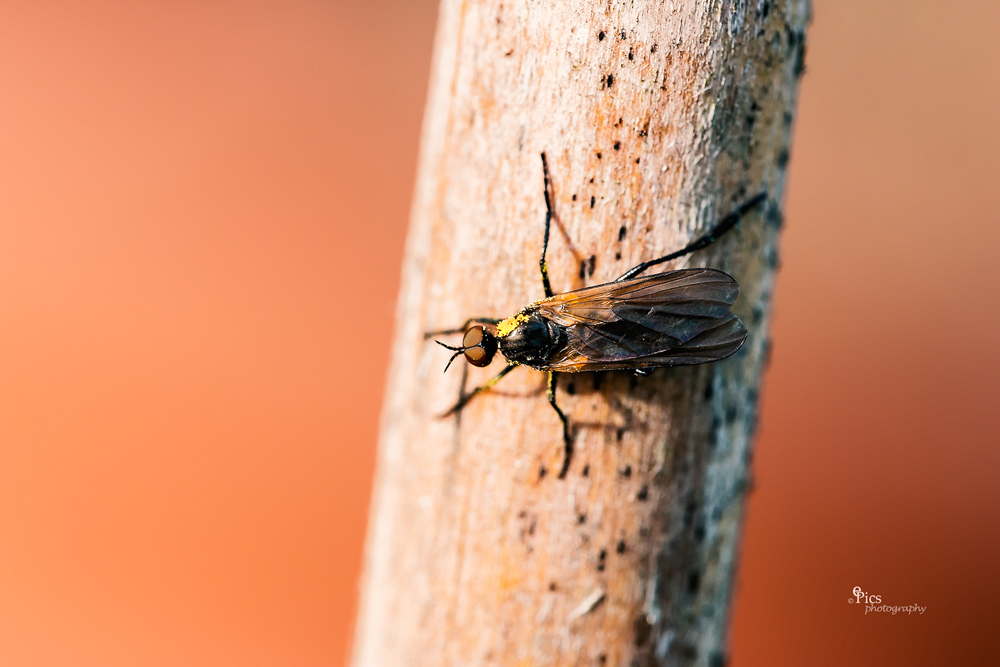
x: 873, y: 604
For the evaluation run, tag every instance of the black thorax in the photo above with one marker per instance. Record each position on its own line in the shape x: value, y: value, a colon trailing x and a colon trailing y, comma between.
x: 533, y: 342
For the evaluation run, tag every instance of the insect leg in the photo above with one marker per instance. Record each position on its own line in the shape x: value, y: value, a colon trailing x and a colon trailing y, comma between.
x: 462, y: 402
x: 567, y: 440
x: 548, y: 221
x: 706, y: 240
x: 465, y: 325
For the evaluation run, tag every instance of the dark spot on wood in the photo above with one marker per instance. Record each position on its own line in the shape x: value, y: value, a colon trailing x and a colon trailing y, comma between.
x: 643, y: 493
x: 592, y: 199
x: 618, y: 255
x: 775, y: 218
x: 570, y: 388
x: 619, y: 432
x: 742, y: 485
x: 689, y: 652
x: 552, y: 585
x: 694, y: 580
x: 621, y: 233
x: 618, y: 145
x: 586, y: 470
x: 531, y: 527
x: 689, y: 511
x: 773, y: 260
x: 574, y: 197
x: 623, y: 34
x: 610, y: 80
x: 509, y: 53
x: 522, y: 514
x: 591, y: 180
x: 643, y: 532
x: 631, y: 53
x: 542, y: 472
x: 591, y: 262
x: 797, y: 42
x: 621, y: 547
x: 600, y: 36
x: 600, y: 560
x: 583, y: 268
x: 642, y: 630
x: 764, y: 10
x: 598, y: 156
x: 626, y: 472
x: 603, y: 659
x: 582, y: 518
x: 652, y: 49
x: 637, y: 160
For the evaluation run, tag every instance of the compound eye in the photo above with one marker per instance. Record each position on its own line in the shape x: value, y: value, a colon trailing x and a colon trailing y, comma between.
x: 473, y: 337
x: 480, y: 346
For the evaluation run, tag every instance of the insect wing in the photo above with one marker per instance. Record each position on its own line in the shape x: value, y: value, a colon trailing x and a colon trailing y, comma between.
x: 667, y: 319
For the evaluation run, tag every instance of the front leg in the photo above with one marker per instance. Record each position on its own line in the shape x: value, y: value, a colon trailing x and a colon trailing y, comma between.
x: 464, y: 400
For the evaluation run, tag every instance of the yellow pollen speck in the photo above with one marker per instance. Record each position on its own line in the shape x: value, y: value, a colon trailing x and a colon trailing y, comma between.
x: 504, y: 327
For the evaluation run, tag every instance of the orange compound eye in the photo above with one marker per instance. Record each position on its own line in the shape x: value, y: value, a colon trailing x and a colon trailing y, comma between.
x: 479, y: 346
x: 474, y: 336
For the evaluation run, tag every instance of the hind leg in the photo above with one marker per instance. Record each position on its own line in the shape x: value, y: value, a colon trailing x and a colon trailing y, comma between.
x: 567, y: 440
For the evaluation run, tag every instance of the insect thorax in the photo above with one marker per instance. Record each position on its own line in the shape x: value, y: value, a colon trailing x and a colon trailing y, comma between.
x: 529, y: 339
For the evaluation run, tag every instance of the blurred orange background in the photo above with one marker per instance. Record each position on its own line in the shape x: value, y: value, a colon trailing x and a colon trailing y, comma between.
x: 202, y: 215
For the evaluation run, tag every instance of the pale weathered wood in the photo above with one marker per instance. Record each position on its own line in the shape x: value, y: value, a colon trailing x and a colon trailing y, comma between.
x: 657, y: 118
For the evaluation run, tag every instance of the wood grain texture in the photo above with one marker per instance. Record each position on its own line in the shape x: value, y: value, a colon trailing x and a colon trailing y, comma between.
x: 658, y: 119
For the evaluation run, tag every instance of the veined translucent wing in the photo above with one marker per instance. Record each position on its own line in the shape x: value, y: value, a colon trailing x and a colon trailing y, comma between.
x: 666, y: 319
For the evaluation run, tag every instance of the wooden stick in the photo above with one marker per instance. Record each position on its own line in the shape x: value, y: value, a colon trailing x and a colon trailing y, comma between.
x: 657, y: 119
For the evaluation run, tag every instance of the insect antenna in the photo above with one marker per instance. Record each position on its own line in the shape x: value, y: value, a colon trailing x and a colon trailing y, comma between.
x: 458, y: 351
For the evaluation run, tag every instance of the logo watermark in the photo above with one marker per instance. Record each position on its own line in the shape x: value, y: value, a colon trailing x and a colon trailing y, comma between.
x: 873, y: 604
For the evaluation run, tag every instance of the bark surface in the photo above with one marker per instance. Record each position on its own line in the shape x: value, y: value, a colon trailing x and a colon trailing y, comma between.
x: 658, y: 118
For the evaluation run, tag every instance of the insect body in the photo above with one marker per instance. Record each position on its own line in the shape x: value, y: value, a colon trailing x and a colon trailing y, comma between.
x: 635, y: 323
x: 667, y: 319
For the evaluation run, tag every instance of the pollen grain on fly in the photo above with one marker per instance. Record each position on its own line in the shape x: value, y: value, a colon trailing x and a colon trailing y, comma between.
x: 504, y: 327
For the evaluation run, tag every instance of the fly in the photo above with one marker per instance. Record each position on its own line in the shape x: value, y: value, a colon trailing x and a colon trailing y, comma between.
x: 636, y: 323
